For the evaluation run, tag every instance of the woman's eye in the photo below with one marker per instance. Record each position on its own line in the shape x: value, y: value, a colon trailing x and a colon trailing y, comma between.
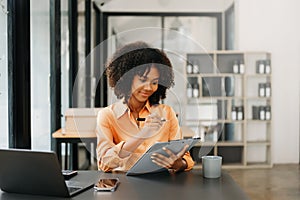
x: 143, y: 80
x: 154, y: 82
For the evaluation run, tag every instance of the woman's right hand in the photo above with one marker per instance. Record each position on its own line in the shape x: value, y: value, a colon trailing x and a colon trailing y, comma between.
x: 151, y: 127
x: 152, y: 124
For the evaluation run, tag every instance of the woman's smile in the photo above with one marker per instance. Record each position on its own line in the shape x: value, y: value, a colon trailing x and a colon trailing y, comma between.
x: 145, y: 94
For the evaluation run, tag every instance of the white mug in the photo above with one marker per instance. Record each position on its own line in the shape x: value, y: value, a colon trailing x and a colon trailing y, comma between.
x: 211, y: 166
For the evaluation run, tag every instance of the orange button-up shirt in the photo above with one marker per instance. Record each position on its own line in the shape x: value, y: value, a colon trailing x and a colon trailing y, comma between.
x: 116, y: 124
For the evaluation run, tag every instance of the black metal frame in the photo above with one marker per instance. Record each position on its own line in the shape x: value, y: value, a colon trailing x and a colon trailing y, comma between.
x: 19, y: 113
x: 88, y: 79
x: 55, y: 68
x: 101, y: 91
x: 102, y: 35
x: 73, y: 50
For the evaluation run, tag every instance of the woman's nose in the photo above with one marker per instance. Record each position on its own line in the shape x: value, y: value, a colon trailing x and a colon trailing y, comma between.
x: 147, y: 86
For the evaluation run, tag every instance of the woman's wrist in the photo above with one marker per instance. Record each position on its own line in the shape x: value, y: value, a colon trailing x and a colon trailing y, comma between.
x: 182, y: 167
x: 184, y: 164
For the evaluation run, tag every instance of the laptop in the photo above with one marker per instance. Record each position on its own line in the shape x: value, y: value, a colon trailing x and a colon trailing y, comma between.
x: 37, y: 173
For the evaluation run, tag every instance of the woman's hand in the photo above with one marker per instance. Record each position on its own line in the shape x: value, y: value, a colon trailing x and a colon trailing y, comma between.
x: 173, y: 163
x: 152, y: 125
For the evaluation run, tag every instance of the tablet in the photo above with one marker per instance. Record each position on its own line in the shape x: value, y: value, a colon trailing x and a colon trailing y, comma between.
x: 145, y: 164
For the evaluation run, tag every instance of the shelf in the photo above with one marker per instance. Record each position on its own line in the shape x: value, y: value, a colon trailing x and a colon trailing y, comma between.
x: 230, y: 144
x: 216, y: 120
x: 258, y: 121
x: 250, y: 144
x: 255, y: 143
x: 217, y: 74
x: 258, y: 75
x: 216, y: 98
x: 258, y: 98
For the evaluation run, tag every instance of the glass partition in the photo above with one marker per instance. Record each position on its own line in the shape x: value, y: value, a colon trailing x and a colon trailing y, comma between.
x: 65, y: 55
x: 119, y: 25
x: 40, y: 72
x: 3, y: 77
x: 202, y: 30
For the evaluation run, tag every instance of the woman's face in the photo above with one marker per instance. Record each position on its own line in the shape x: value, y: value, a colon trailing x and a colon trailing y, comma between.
x: 144, y: 86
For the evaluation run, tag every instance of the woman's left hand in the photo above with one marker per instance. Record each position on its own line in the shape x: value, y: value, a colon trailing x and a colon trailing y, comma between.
x: 173, y: 163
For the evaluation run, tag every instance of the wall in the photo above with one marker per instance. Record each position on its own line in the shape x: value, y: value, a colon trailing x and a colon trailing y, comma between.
x: 273, y: 25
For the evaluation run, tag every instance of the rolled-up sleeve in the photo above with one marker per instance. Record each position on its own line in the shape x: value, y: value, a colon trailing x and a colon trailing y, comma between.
x: 189, y: 161
x: 107, y: 151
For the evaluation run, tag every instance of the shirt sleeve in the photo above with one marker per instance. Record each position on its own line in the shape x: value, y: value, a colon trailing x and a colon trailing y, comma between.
x: 107, y: 151
x: 189, y: 161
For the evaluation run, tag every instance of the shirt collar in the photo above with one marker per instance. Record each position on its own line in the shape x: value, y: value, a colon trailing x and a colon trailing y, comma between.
x: 120, y: 108
x: 147, y: 106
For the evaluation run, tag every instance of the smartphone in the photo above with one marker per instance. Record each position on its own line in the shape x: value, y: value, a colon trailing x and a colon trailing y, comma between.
x: 68, y: 173
x: 107, y: 184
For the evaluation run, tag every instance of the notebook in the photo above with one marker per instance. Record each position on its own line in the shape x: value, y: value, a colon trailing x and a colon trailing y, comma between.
x: 145, y: 164
x: 36, y: 173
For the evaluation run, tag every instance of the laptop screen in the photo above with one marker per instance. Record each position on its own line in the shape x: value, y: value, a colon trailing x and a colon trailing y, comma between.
x: 32, y: 172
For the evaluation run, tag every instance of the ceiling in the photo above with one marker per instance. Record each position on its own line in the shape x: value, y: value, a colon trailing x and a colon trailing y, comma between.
x: 163, y: 5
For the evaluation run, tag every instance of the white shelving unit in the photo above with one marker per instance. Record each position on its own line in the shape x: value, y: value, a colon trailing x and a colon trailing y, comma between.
x: 246, y: 139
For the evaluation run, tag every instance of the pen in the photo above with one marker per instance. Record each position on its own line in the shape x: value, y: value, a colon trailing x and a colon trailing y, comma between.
x: 142, y: 119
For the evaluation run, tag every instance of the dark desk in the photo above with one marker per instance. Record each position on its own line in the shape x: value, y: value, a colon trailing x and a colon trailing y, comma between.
x: 72, y: 139
x: 186, y: 185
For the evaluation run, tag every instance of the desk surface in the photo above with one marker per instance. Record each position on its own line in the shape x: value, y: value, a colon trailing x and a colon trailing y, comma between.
x: 63, y: 133
x: 185, y: 185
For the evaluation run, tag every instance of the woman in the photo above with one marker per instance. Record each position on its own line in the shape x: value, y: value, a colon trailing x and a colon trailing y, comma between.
x: 140, y: 76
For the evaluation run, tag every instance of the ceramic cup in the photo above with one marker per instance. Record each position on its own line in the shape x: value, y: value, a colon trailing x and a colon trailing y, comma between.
x: 211, y: 166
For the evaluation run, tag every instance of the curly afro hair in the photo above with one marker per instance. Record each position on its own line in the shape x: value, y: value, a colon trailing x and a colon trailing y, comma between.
x: 136, y: 59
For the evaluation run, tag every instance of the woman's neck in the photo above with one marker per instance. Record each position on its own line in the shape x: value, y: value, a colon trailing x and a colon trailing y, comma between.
x: 135, y: 106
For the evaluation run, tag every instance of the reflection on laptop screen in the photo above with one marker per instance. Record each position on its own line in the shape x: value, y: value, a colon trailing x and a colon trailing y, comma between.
x: 35, y: 172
